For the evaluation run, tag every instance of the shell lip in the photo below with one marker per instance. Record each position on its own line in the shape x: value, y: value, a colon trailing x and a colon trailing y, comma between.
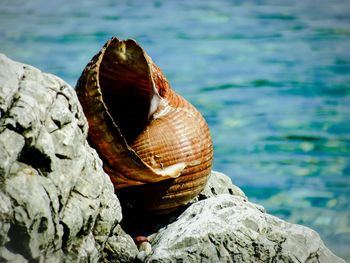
x: 172, y: 171
x: 115, y: 41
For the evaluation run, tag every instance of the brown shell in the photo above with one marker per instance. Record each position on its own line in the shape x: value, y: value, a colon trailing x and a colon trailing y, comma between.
x: 156, y: 147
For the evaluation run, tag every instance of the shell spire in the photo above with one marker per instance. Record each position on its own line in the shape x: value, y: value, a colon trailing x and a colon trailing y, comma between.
x: 149, y: 137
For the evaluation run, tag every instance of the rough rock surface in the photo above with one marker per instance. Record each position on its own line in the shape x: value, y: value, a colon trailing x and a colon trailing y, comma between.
x: 56, y: 203
x: 219, y: 183
x: 225, y: 227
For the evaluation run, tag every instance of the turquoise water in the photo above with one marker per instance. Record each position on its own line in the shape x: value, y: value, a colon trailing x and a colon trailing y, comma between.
x: 272, y: 78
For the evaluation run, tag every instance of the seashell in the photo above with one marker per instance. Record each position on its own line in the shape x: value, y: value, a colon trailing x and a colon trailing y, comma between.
x: 155, y: 146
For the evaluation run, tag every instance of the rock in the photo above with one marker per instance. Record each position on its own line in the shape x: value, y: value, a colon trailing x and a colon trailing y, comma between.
x: 225, y: 227
x: 57, y: 204
x: 219, y: 183
x: 119, y: 248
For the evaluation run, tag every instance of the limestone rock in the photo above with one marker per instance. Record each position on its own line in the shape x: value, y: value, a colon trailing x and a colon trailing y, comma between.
x: 219, y: 183
x: 57, y: 204
x: 225, y: 227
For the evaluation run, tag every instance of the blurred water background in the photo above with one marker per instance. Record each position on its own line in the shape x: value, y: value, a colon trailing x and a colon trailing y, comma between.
x: 272, y: 78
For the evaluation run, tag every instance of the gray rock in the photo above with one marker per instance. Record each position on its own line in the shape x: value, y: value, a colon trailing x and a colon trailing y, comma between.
x: 225, y: 227
x: 220, y: 183
x: 57, y: 204
x: 119, y: 248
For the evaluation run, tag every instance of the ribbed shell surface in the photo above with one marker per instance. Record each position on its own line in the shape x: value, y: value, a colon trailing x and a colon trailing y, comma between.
x: 174, y: 135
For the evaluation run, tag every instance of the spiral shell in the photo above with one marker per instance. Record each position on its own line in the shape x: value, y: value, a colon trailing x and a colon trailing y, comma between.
x: 155, y: 146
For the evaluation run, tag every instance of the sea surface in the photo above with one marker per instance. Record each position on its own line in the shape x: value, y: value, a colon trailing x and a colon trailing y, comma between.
x: 272, y: 78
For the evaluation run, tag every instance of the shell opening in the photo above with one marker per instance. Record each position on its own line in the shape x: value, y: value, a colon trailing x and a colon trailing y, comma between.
x: 127, y: 88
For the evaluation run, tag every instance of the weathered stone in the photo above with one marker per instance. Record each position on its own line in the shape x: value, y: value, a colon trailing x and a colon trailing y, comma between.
x: 119, y: 248
x: 57, y: 204
x: 219, y: 183
x: 228, y: 228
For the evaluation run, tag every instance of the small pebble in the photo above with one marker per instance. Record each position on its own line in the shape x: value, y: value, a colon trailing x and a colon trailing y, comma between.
x: 146, y: 247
